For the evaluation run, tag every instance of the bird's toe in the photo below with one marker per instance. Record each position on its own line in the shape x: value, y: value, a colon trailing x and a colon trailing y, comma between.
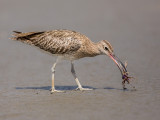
x: 83, y: 89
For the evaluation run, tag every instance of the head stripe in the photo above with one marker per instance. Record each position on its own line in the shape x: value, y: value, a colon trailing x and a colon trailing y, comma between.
x: 109, y: 45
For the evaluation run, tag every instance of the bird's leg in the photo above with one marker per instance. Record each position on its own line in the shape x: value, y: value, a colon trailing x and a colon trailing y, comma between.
x: 76, y: 79
x: 53, y: 73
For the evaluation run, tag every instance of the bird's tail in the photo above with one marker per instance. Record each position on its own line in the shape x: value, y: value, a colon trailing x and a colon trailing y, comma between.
x: 15, y: 35
x: 25, y: 37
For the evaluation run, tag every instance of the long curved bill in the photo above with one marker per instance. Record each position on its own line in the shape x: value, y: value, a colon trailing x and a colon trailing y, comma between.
x: 120, y: 65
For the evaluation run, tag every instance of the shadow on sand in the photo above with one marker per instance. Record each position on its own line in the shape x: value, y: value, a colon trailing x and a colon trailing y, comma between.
x: 111, y: 88
x: 56, y: 87
x: 67, y: 88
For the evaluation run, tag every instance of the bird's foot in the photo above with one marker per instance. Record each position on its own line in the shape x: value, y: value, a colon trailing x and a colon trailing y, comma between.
x: 53, y: 91
x: 83, y: 89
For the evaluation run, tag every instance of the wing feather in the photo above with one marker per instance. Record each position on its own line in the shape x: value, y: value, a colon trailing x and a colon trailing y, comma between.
x: 55, y: 42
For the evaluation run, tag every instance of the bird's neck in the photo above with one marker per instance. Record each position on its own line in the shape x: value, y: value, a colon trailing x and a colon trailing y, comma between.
x: 93, y: 49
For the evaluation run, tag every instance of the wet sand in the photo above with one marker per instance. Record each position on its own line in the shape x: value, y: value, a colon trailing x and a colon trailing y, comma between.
x: 133, y: 29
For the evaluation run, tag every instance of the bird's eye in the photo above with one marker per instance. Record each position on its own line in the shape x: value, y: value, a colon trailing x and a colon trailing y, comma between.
x: 105, y: 48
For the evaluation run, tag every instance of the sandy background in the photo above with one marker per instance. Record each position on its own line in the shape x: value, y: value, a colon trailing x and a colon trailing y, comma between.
x: 132, y: 27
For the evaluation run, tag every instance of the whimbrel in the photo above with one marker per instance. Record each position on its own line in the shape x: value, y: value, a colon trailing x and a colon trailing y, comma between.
x: 69, y: 45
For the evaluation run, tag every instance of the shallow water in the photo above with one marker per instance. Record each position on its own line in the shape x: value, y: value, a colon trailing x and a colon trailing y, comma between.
x: 133, y: 29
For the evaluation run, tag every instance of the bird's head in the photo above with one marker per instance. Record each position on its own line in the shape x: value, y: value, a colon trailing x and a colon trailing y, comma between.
x: 106, y: 49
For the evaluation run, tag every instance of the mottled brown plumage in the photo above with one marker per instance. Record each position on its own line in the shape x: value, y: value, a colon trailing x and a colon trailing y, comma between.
x: 69, y: 44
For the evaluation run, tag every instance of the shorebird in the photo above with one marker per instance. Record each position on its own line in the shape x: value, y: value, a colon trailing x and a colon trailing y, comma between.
x: 69, y: 45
